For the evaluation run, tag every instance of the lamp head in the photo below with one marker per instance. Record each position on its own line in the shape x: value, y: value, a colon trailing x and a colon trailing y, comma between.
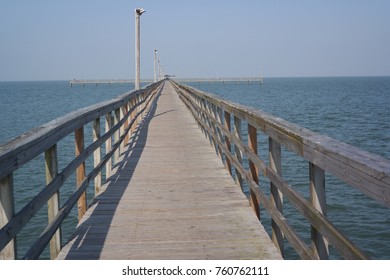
x: 140, y: 11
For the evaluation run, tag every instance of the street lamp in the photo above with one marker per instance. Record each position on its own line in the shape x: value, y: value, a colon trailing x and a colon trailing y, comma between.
x: 138, y: 13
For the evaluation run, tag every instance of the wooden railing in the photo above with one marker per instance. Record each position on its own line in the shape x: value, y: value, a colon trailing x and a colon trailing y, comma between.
x: 222, y: 122
x: 121, y: 115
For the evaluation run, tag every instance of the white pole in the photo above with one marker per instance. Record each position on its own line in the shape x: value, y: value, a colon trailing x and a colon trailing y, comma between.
x: 155, y: 66
x: 138, y: 13
x: 159, y: 74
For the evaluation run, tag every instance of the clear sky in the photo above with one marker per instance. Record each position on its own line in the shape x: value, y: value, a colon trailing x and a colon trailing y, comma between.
x: 66, y: 39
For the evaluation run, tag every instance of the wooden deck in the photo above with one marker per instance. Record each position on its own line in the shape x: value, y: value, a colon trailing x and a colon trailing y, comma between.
x: 170, y: 198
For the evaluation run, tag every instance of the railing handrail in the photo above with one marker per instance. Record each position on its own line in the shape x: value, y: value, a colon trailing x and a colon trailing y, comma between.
x: 25, y: 147
x: 371, y: 167
x: 127, y: 111
x: 365, y: 171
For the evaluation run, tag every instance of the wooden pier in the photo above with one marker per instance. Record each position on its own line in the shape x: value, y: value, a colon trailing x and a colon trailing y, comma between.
x: 169, y: 192
x: 170, y: 197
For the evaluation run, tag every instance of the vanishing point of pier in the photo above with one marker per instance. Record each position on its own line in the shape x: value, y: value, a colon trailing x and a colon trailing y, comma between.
x: 171, y: 165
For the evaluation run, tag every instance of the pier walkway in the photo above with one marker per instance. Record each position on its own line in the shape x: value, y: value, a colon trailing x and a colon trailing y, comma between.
x: 176, y: 162
x: 170, y: 197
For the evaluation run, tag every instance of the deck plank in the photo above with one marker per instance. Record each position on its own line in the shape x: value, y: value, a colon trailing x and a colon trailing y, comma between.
x: 170, y: 198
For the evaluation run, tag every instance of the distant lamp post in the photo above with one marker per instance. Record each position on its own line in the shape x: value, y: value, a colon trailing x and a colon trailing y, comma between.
x: 155, y: 65
x: 138, y: 13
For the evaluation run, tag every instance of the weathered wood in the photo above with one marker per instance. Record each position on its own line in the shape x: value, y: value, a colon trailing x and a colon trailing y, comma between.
x: 132, y: 102
x: 303, y: 251
x: 59, y: 128
x: 7, y: 210
x: 227, y: 140
x: 116, y: 135
x: 97, y: 154
x: 318, y: 221
x: 108, y: 125
x: 282, y: 133
x: 122, y: 129
x: 53, y: 205
x: 27, y: 146
x: 252, y: 144
x: 318, y: 200
x: 125, y: 110
x: 275, y: 160
x: 80, y: 171
x: 176, y: 208
x: 238, y: 152
x: 368, y: 172
x: 39, y: 245
x: 217, y: 112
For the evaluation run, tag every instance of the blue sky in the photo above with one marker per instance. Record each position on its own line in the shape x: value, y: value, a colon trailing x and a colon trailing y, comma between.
x: 62, y: 40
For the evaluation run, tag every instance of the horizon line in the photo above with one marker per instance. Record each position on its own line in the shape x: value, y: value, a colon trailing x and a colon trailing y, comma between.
x: 198, y: 78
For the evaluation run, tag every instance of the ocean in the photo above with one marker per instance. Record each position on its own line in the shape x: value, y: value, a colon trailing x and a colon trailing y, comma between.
x: 355, y: 110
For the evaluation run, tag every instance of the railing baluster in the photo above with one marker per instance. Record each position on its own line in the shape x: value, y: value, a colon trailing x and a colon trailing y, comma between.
x: 254, y: 170
x: 116, y: 135
x: 205, y: 119
x: 53, y: 204
x: 122, y: 128
x: 227, y: 125
x: 210, y: 122
x: 219, y: 114
x: 80, y: 171
x: 126, y: 109
x: 97, y: 155
x: 7, y: 210
x: 238, y: 152
x: 132, y: 115
x: 216, y: 130
x: 108, y: 145
x: 318, y: 200
x: 275, y: 161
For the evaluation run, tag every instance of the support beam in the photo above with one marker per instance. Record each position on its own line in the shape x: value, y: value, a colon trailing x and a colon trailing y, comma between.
x: 318, y: 199
x: 254, y: 170
x: 80, y: 171
x: 7, y: 210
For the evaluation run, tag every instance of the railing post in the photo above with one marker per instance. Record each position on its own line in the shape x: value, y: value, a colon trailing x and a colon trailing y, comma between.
x: 204, y: 118
x: 7, y: 210
x: 108, y: 145
x: 216, y: 129
x: 80, y: 171
x: 227, y: 125
x: 238, y: 134
x: 97, y: 155
x: 116, y: 135
x: 220, y: 136
x: 200, y: 114
x: 125, y: 111
x: 132, y: 115
x: 275, y: 161
x: 122, y: 129
x: 53, y: 205
x: 138, y: 109
x: 209, y: 122
x: 254, y: 170
x: 318, y: 199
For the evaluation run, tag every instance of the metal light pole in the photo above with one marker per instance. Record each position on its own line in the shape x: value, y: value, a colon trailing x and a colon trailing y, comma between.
x: 138, y: 13
x: 155, y: 65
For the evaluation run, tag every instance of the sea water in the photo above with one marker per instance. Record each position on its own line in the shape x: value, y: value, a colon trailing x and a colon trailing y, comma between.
x: 355, y: 110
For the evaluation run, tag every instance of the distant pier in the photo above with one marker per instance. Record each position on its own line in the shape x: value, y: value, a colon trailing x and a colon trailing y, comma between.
x: 180, y: 80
